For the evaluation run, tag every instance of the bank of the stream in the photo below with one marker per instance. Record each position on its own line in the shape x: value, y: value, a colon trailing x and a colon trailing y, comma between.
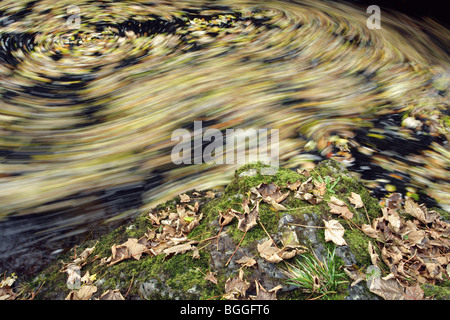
x: 187, y: 251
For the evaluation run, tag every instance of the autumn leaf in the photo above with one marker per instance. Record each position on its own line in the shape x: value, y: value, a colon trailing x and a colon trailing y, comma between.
x: 271, y: 192
x: 263, y: 294
x: 246, y: 221
x: 334, y: 231
x: 388, y: 288
x: 227, y: 216
x: 246, y: 261
x: 294, y: 185
x: 339, y: 207
x: 210, y: 276
x: 74, y: 277
x: 184, y: 198
x: 275, y: 255
x: 112, y: 295
x: 84, y: 293
x: 356, y: 200
x: 237, y: 287
x: 373, y: 255
x: 420, y: 212
x: 181, y: 248
x: 414, y: 293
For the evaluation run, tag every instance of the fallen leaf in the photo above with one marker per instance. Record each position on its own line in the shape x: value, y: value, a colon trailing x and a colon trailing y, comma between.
x: 275, y: 255
x: 419, y: 212
x: 263, y: 294
x: 414, y: 293
x: 184, y: 198
x: 210, y: 194
x: 334, y: 231
x: 356, y: 200
x: 181, y: 248
x: 246, y: 221
x: 227, y: 216
x: 112, y: 295
x: 210, y: 276
x: 387, y: 289
x: 269, y: 252
x: 277, y: 206
x: 74, y: 277
x: 246, y: 261
x: 236, y: 288
x: 339, y: 207
x: 373, y: 255
x: 394, y: 201
x: 294, y: 186
x: 321, y: 187
x: 84, y: 293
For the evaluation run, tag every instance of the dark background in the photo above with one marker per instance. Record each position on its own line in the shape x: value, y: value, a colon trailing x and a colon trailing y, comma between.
x: 436, y: 9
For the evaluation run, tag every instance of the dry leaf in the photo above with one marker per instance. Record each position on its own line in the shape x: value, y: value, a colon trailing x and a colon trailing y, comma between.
x: 277, y: 206
x: 210, y: 194
x: 321, y: 187
x: 210, y: 276
x: 373, y: 255
x: 275, y: 255
x: 356, y: 200
x: 339, y: 207
x: 85, y: 293
x: 414, y: 293
x: 181, y: 248
x: 394, y: 201
x: 420, y: 212
x: 246, y: 261
x: 247, y: 220
x: 389, y: 289
x: 294, y: 186
x: 334, y: 231
x: 112, y: 295
x: 227, y: 216
x: 236, y: 288
x: 184, y: 198
x: 74, y: 279
x: 263, y: 294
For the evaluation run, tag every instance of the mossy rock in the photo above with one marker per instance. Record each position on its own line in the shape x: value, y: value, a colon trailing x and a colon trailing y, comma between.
x: 183, y: 277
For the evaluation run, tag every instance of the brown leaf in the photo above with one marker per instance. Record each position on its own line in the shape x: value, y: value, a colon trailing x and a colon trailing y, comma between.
x: 275, y: 255
x: 356, y: 200
x: 181, y: 248
x: 321, y: 187
x: 247, y: 221
x: 414, y: 293
x: 112, y: 295
x: 227, y: 216
x: 339, y: 207
x: 237, y: 287
x: 373, y: 255
x: 271, y: 193
x: 334, y: 231
x: 420, y: 212
x: 85, y: 293
x: 269, y: 252
x: 184, y: 198
x: 387, y: 289
x: 210, y: 276
x: 263, y: 294
x: 294, y: 186
x: 246, y: 261
x: 394, y: 201
x: 370, y: 231
x: 210, y: 194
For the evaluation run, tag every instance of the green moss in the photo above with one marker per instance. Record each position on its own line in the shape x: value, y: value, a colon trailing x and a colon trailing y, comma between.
x: 438, y: 292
